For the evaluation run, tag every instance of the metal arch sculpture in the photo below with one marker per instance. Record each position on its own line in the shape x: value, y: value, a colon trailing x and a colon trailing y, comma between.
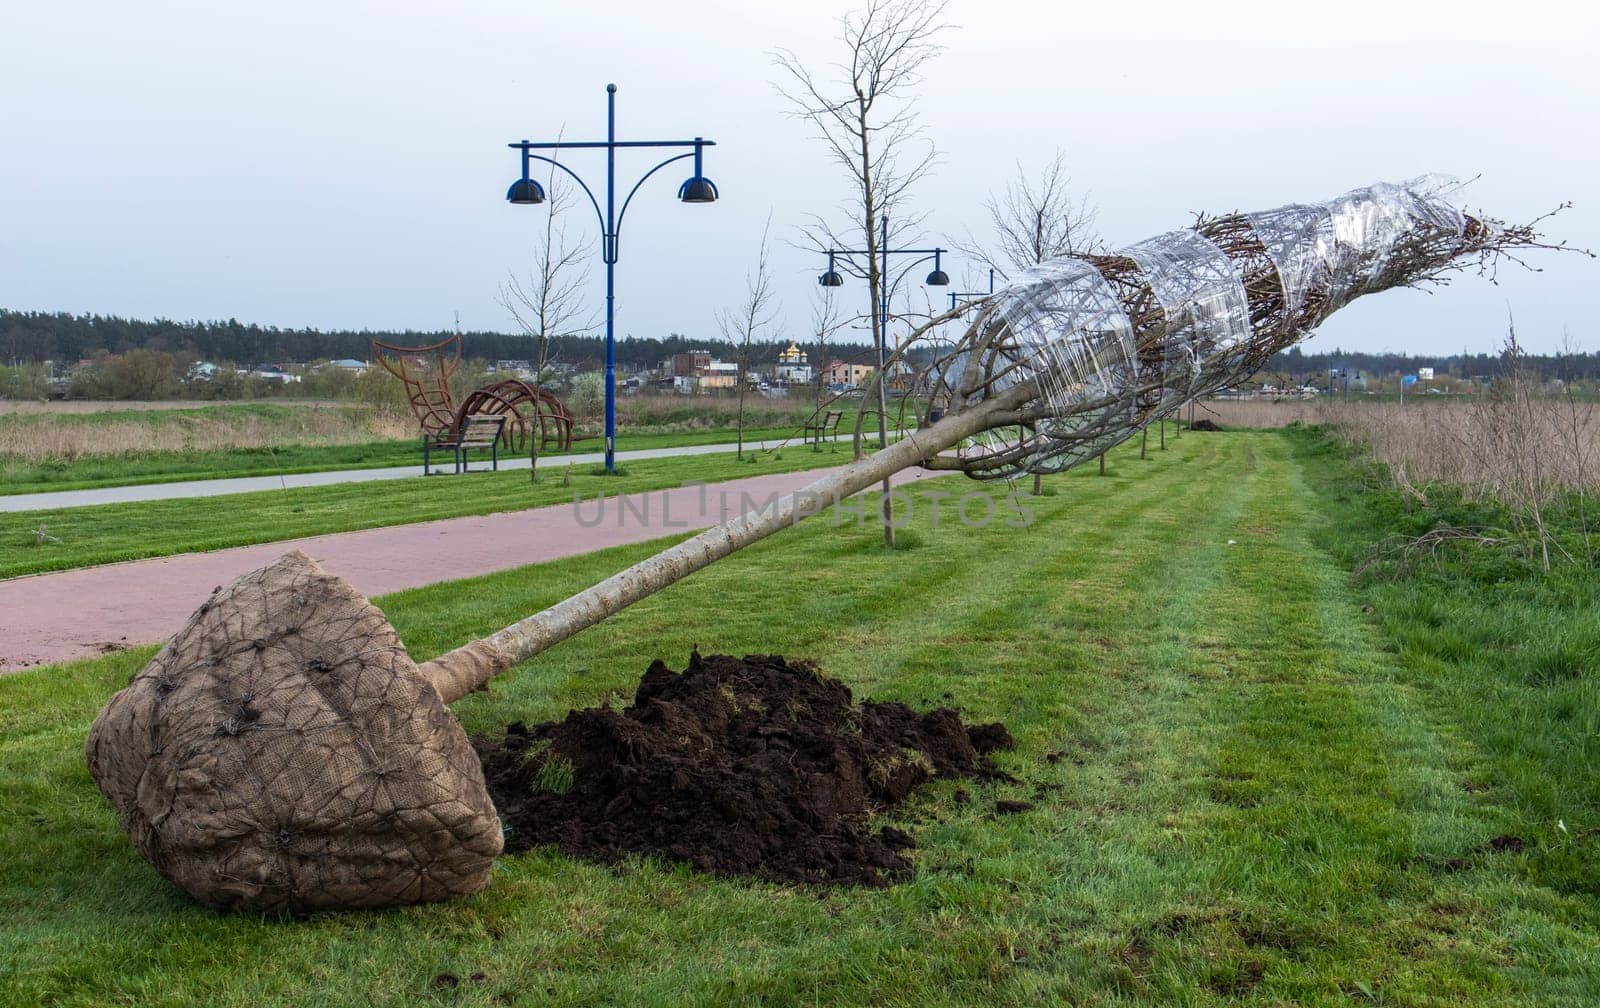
x: 536, y: 418
x: 427, y: 385
x: 284, y: 752
x: 512, y: 396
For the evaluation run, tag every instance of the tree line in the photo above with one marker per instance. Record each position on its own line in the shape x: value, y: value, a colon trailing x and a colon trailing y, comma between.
x: 34, y: 337
x: 1565, y: 365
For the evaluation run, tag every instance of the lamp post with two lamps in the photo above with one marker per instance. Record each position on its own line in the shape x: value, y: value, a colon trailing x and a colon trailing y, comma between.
x: 527, y: 190
x: 880, y: 324
x: 937, y: 278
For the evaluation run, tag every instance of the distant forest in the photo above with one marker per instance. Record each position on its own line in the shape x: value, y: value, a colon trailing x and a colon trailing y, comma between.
x: 30, y: 337
x: 1565, y: 366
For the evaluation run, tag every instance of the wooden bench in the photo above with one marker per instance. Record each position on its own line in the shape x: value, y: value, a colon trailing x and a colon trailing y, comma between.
x: 828, y: 424
x: 476, y: 430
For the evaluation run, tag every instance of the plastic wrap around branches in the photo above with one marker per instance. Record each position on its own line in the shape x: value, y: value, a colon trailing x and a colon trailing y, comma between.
x: 1112, y: 346
x: 1202, y: 296
x: 1078, y: 330
x: 1080, y: 349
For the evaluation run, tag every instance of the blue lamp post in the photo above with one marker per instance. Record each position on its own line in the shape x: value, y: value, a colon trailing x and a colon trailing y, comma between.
x: 696, y: 189
x: 937, y: 278
x: 957, y: 296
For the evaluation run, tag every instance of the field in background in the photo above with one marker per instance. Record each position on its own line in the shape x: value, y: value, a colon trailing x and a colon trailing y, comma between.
x: 1509, y: 471
x: 64, y: 407
x: 1481, y: 445
x: 39, y: 432
x: 1361, y: 411
x: 1252, y: 413
x: 60, y: 446
x: 1246, y: 786
x: 64, y: 432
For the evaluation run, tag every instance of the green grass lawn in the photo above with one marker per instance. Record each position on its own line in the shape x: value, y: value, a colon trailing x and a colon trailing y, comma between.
x: 135, y: 469
x: 107, y: 533
x: 1247, y: 789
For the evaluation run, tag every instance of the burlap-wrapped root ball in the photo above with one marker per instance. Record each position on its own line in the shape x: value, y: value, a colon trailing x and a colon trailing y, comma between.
x: 282, y: 753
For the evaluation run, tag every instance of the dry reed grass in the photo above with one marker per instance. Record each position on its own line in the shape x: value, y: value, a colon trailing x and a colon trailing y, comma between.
x: 1479, y: 445
x: 62, y: 435
x: 32, y: 432
x: 1529, y: 452
x: 77, y: 407
x: 1263, y: 413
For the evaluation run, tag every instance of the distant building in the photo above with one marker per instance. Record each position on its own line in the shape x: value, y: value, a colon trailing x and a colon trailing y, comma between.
x: 349, y: 364
x: 687, y: 365
x: 794, y: 367
x: 700, y: 371
x: 717, y: 375
x: 272, y: 372
x: 839, y: 372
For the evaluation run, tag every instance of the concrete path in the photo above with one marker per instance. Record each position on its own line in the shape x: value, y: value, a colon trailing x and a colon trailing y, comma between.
x: 47, y: 618
x: 218, y: 487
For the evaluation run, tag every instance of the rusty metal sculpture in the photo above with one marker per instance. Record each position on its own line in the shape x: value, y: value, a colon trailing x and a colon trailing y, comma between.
x: 283, y: 752
x: 536, y: 419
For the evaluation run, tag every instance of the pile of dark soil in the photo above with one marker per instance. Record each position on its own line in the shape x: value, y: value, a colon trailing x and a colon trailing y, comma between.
x: 738, y: 766
x: 1203, y: 424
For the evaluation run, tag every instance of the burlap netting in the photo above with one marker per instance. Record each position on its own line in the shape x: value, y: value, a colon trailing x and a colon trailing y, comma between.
x: 283, y: 753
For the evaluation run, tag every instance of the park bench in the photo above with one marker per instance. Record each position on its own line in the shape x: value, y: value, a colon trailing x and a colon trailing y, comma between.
x: 828, y: 424
x: 476, y: 430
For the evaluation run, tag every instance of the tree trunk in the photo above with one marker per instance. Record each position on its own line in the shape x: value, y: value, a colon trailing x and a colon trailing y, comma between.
x: 875, y: 282
x: 744, y: 368
x: 471, y: 666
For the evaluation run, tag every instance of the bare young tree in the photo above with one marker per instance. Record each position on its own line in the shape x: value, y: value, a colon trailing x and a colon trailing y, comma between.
x: 1035, y: 219
x: 825, y: 321
x: 864, y: 113
x: 754, y: 315
x: 548, y: 304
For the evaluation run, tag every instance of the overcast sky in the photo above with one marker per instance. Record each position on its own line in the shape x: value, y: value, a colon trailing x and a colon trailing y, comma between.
x: 343, y: 164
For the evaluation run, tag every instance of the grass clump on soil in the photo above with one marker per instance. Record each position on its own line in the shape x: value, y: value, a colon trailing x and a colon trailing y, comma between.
x: 108, y: 533
x: 751, y: 766
x: 1244, y: 789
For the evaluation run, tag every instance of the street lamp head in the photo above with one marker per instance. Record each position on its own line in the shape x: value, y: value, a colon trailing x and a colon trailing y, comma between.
x: 938, y: 278
x: 698, y: 189
x: 831, y: 279
x: 525, y: 191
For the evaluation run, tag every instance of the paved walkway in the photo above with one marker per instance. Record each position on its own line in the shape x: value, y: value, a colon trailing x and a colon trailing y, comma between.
x: 218, y: 487
x: 48, y: 618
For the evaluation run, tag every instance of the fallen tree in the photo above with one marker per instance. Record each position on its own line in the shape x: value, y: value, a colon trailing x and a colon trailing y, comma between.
x: 283, y: 752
